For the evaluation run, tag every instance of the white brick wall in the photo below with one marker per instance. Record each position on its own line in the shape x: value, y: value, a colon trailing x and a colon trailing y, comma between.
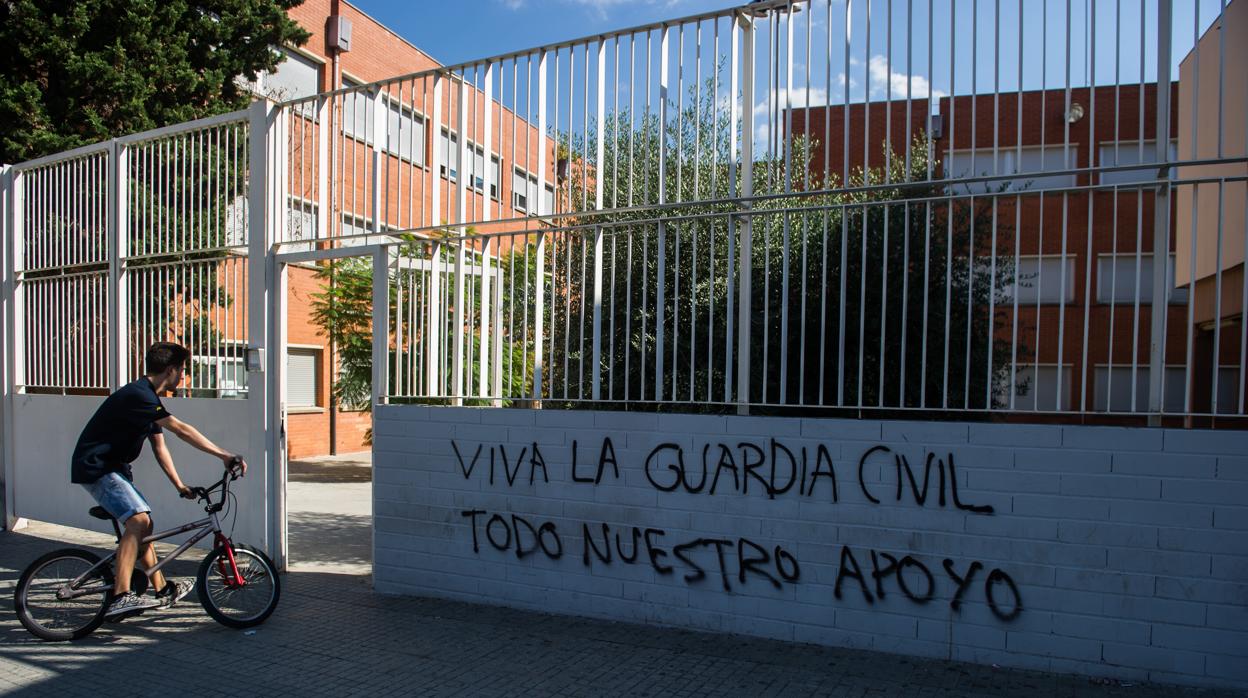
x: 1128, y: 548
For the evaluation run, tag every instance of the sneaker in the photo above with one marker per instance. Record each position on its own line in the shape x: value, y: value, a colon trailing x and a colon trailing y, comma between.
x: 175, y: 590
x: 128, y: 603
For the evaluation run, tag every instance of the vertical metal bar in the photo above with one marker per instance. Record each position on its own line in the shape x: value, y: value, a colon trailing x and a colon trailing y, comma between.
x: 786, y: 222
x: 660, y: 322
x: 888, y: 166
x: 825, y: 184
x: 745, y: 221
x: 735, y: 64
x: 539, y: 303
x: 463, y: 174
x: 118, y: 222
x: 1161, y: 221
x: 596, y: 356
x: 1088, y: 251
x: 435, y: 183
x: 845, y: 122
x: 615, y: 202
x: 484, y: 364
x: 323, y: 166
x: 1217, y: 297
x: 381, y: 317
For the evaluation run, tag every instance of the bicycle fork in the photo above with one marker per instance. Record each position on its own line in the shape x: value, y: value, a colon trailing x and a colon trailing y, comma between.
x: 233, y: 579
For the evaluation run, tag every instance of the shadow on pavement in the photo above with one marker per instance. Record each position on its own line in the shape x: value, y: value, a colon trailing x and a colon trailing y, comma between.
x: 332, y: 635
x: 322, y: 538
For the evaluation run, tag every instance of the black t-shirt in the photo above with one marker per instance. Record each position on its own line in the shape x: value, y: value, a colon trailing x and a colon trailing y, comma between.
x: 114, y: 436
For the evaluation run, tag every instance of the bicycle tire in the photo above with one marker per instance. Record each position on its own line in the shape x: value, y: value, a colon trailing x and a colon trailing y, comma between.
x: 87, y: 615
x: 258, y: 572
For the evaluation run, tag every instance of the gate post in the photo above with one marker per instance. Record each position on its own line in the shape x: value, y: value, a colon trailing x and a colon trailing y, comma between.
x: 14, y: 342
x: 260, y: 364
x: 6, y: 387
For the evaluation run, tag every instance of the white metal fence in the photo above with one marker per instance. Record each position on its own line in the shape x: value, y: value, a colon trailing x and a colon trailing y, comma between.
x: 929, y: 205
x: 843, y: 205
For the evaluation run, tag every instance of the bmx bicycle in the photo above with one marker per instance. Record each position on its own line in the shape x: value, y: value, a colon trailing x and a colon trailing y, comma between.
x: 64, y: 594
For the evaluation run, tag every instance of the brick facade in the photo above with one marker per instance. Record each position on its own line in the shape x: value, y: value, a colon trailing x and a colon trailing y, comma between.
x: 379, y: 54
x: 978, y: 123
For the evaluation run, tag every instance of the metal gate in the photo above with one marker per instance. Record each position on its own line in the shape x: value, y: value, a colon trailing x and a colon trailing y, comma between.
x: 109, y: 248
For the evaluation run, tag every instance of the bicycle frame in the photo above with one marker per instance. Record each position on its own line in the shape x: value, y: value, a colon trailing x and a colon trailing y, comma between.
x: 210, y: 524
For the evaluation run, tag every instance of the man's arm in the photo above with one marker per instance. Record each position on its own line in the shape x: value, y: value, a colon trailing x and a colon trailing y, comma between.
x: 191, y: 435
x: 161, y: 451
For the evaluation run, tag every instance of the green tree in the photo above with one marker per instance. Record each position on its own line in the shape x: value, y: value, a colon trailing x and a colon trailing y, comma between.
x: 74, y: 72
x: 911, y: 263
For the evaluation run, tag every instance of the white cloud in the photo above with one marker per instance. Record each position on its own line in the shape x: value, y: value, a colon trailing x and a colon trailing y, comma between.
x: 512, y: 4
x: 882, y: 79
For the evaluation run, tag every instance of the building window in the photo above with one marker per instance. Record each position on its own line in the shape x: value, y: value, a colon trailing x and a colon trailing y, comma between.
x: 296, y: 77
x: 1035, y: 388
x: 357, y: 118
x: 301, y: 219
x: 1113, y: 389
x: 1040, y: 280
x: 448, y: 156
x: 1032, y: 164
x: 405, y: 133
x: 218, y: 376
x: 301, y: 373
x: 524, y: 193
x: 1130, y: 153
x: 1117, y: 276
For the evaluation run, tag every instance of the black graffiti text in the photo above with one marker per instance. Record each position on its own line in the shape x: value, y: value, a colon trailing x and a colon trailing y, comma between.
x: 918, y: 584
x: 511, y: 464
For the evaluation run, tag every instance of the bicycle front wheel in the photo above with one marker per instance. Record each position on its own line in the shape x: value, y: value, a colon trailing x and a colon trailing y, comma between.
x: 50, y: 608
x: 238, y: 601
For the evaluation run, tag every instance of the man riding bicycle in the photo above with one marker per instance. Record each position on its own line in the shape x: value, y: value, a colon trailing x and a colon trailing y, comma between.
x: 110, y: 442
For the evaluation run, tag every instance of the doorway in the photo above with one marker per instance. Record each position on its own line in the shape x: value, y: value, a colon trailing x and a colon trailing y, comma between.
x: 327, y: 502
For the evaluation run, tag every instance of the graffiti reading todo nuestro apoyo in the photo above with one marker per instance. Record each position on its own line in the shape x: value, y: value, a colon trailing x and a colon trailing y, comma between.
x: 772, y: 469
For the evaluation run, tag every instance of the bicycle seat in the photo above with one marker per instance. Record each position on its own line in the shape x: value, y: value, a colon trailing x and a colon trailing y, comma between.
x: 100, y: 513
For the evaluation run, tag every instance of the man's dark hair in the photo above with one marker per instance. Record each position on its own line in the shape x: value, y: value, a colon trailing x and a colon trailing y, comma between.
x: 162, y: 355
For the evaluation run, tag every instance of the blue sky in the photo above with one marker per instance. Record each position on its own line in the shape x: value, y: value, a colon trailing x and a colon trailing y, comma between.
x: 973, y: 48
x: 455, y: 32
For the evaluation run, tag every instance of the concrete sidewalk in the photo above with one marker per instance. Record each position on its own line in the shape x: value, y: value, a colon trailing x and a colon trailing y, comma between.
x: 331, y: 635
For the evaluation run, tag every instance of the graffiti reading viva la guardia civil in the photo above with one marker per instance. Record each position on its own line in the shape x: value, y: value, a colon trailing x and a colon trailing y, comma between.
x: 744, y: 468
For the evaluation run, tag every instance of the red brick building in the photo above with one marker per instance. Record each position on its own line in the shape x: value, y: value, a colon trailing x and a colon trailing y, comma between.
x: 1095, y: 234
x: 375, y: 54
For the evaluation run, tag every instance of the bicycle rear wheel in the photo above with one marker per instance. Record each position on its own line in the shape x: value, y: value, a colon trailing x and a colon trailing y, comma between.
x: 242, y: 602
x: 40, y: 602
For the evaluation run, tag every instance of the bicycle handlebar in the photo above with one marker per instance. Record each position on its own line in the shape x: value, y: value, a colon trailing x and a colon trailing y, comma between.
x: 232, y: 473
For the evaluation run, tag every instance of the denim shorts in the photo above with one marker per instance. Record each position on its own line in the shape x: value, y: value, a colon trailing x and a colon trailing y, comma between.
x: 118, y: 496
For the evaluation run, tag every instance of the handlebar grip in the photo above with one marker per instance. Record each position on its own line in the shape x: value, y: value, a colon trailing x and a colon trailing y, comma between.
x: 233, y: 467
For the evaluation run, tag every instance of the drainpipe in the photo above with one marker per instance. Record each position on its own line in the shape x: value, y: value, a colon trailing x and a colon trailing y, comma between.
x: 335, y: 74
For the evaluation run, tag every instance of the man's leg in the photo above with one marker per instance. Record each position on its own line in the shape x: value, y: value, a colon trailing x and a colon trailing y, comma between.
x: 149, y: 560
x: 136, y: 529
